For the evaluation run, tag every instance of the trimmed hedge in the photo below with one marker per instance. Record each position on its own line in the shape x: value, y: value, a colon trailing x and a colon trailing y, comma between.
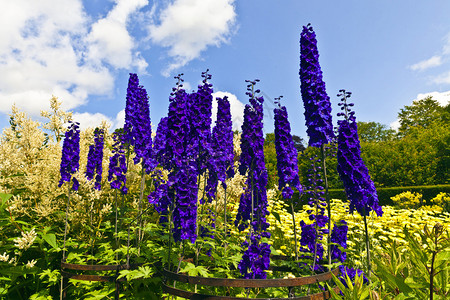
x: 385, y: 194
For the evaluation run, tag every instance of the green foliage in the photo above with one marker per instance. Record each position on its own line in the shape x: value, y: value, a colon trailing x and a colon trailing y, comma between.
x: 352, y: 290
x: 418, y: 270
x: 374, y: 132
x: 421, y: 114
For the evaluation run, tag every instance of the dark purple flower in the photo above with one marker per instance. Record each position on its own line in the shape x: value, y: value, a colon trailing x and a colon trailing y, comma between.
x: 159, y: 144
x: 286, y: 154
x: 117, y: 164
x: 354, y: 174
x: 95, y: 159
x: 137, y: 124
x: 255, y: 260
x: 185, y: 211
x: 309, y: 237
x: 199, y: 107
x: 222, y: 156
x: 179, y: 193
x: 315, y: 99
x: 253, y: 202
x: 344, y: 270
x: 252, y: 209
x: 70, y: 157
x: 339, y: 236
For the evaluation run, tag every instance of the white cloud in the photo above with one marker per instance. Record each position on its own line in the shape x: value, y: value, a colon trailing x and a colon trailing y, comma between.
x: 236, y: 108
x: 428, y: 63
x: 443, y: 78
x: 50, y: 47
x: 119, y: 121
x: 188, y: 27
x: 395, y: 125
x: 110, y: 39
x: 87, y: 120
x: 442, y: 97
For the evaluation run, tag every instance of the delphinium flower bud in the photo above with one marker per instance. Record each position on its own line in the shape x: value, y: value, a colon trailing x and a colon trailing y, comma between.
x: 95, y: 159
x: 117, y: 164
x: 286, y: 154
x: 222, y: 156
x: 70, y: 157
x: 253, y: 203
x: 358, y: 185
x: 315, y: 99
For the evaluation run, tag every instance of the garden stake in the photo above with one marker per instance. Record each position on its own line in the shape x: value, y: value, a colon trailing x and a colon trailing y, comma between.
x: 367, y: 244
x: 115, y: 228
x: 141, y: 195
x: 295, y: 230
x: 65, y: 236
x: 327, y: 197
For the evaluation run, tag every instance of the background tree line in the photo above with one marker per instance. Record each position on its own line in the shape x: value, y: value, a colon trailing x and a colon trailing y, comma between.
x: 418, y: 153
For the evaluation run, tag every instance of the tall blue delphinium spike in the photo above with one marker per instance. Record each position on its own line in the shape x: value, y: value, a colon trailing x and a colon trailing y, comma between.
x: 117, y: 164
x: 70, y: 158
x: 179, y: 194
x: 313, y: 233
x: 252, y: 209
x: 143, y: 134
x: 221, y: 162
x: 131, y: 109
x: 317, y: 104
x: 137, y: 126
x: 95, y: 159
x: 287, y: 165
x: 200, y: 109
x: 358, y: 185
x: 315, y: 99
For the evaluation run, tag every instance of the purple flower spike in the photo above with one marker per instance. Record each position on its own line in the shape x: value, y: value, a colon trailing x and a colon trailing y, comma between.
x: 252, y: 209
x: 286, y: 154
x: 354, y: 174
x: 95, y: 159
x: 159, y: 144
x: 255, y: 260
x: 70, y: 158
x: 252, y: 162
x: 222, y: 157
x: 137, y: 124
x: 339, y: 236
x: 117, y: 164
x: 315, y: 99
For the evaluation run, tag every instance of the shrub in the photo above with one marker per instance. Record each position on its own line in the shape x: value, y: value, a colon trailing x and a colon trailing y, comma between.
x: 407, y: 200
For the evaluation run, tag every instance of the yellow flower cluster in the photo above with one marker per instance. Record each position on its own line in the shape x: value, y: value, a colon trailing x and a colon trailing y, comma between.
x: 407, y: 199
x: 441, y: 199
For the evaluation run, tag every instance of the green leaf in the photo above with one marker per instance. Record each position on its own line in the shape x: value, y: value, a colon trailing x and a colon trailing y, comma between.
x: 277, y: 216
x: 50, y: 238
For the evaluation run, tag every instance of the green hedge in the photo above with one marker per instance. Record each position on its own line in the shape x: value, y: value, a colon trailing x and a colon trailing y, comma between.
x: 385, y: 194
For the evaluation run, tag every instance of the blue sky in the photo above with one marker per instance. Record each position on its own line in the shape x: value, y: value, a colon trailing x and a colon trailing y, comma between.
x: 387, y: 53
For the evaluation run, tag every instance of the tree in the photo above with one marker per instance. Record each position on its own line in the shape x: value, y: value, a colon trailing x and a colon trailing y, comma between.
x: 298, y: 143
x: 422, y: 113
x: 374, y: 132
